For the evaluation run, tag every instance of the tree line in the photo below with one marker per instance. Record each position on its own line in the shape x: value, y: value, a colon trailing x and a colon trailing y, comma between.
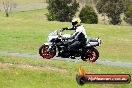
x: 65, y: 10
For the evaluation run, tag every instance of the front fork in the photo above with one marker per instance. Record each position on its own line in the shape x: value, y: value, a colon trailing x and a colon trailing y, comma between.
x: 51, y: 46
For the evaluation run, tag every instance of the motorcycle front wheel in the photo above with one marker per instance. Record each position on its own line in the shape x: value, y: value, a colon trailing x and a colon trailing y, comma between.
x: 43, y: 51
x: 90, y: 55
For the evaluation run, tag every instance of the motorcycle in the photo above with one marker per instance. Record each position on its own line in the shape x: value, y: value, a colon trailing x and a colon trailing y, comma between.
x: 57, y: 41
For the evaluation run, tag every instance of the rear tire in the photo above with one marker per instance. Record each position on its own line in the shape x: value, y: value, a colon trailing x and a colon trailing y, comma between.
x: 45, y: 54
x: 90, y: 55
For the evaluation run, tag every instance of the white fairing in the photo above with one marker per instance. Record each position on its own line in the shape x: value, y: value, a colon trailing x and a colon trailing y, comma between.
x: 66, y: 35
x: 52, y: 35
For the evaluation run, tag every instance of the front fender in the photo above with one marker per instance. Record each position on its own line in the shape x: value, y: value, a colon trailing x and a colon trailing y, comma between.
x: 47, y: 43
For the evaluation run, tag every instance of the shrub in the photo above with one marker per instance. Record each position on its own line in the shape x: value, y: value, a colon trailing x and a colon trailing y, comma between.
x: 88, y: 15
x: 62, y: 10
x: 128, y: 15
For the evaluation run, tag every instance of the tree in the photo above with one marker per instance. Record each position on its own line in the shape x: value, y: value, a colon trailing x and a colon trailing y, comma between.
x: 8, y: 5
x: 62, y: 10
x: 88, y: 15
x: 128, y: 13
x: 112, y: 8
x: 87, y: 2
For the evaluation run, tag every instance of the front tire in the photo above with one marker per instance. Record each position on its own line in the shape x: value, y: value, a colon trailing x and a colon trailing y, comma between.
x: 43, y: 51
x: 90, y: 55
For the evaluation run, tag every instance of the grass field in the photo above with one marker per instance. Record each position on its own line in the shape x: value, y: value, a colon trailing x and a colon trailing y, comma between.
x: 24, y: 2
x: 25, y: 32
x: 33, y: 73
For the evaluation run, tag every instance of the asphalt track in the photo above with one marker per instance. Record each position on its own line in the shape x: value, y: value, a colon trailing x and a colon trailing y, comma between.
x: 106, y: 62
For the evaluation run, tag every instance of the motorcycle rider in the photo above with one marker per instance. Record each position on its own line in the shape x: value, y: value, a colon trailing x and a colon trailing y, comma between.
x: 79, y: 36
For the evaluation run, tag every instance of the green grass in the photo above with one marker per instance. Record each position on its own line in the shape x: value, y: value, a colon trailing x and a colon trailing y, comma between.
x: 25, y: 32
x: 32, y: 76
x: 24, y: 2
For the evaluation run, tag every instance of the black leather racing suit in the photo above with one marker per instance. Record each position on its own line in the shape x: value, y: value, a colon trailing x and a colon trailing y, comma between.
x: 79, y: 37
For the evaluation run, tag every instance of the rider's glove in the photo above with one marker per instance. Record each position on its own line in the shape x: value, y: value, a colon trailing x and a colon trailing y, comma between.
x: 64, y: 29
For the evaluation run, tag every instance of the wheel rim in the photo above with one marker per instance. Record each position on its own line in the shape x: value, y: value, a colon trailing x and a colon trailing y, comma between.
x: 44, y: 50
x: 46, y: 54
x: 91, y: 56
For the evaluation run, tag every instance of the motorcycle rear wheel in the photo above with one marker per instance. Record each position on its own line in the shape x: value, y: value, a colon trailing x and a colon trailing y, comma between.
x: 90, y: 55
x: 47, y: 54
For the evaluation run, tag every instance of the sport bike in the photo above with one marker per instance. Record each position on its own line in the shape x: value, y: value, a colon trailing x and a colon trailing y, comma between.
x: 57, y: 41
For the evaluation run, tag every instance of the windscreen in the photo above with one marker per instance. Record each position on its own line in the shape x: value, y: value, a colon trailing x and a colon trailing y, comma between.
x: 53, y: 33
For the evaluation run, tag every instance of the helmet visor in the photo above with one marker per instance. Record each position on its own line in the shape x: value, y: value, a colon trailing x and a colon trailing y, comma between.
x: 74, y: 23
